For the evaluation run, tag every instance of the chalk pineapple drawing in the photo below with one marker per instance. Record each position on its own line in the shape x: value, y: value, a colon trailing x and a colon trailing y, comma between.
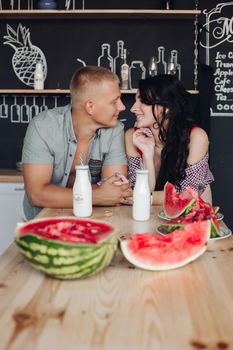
x: 26, y: 55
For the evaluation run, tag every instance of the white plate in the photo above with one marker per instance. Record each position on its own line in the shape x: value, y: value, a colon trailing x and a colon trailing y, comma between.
x: 225, y: 232
x: 219, y: 216
x: 161, y: 215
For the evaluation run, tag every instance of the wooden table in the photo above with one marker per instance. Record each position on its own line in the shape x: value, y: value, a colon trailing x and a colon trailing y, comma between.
x: 122, y: 307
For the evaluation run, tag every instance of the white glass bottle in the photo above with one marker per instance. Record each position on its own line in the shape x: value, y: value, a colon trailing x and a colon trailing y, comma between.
x: 169, y: 4
x: 82, y: 192
x: 39, y: 77
x: 141, y: 196
x: 125, y: 73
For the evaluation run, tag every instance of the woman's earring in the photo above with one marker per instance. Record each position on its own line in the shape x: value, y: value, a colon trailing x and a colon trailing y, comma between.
x: 155, y: 125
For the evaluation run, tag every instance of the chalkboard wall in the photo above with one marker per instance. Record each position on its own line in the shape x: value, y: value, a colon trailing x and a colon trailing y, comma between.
x: 216, y: 50
x: 63, y: 41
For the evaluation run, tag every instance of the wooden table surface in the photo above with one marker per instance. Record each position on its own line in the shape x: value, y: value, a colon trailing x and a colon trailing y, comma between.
x: 122, y: 307
x: 11, y: 175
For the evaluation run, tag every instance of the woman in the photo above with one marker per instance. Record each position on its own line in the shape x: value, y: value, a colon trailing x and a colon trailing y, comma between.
x: 165, y: 141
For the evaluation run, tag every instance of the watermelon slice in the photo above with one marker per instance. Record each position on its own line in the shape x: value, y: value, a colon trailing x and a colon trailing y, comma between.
x: 171, y: 226
x: 205, y: 212
x: 156, y: 253
x: 177, y: 204
x: 187, y: 207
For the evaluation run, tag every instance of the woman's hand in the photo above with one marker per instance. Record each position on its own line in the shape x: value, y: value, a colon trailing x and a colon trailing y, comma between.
x: 143, y: 139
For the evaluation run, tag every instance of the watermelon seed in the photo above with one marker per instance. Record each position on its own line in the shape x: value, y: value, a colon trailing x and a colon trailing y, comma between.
x: 222, y: 345
x: 131, y: 267
x: 125, y: 236
x: 94, y: 230
x: 198, y: 345
x: 24, y: 319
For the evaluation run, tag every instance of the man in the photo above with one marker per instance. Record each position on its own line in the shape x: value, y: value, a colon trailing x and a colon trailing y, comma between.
x: 88, y: 131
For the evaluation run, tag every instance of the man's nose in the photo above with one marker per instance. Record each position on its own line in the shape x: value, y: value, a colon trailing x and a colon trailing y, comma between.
x: 121, y: 106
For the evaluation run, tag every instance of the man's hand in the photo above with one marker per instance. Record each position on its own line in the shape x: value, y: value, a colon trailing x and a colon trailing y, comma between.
x: 121, y: 179
x: 115, y: 190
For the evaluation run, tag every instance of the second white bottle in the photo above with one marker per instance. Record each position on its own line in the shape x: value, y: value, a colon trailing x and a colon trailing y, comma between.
x: 39, y: 77
x: 141, y: 196
x: 82, y: 192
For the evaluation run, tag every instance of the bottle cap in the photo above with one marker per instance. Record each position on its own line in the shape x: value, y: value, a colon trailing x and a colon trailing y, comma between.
x: 81, y: 167
x: 142, y: 171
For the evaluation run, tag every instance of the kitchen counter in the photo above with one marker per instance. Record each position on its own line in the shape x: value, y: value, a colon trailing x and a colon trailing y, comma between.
x: 122, y: 307
x: 11, y: 175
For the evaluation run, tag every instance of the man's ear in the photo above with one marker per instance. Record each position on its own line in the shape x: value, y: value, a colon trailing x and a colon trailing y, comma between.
x: 89, y: 107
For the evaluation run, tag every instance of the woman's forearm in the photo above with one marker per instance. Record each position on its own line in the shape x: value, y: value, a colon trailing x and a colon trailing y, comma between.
x: 149, y: 165
x: 157, y: 197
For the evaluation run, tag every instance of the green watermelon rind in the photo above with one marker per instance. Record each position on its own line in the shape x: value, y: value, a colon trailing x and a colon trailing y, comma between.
x: 163, y: 267
x: 64, y: 260
x: 214, y: 230
x: 168, y: 228
x: 87, y: 269
x: 182, y: 212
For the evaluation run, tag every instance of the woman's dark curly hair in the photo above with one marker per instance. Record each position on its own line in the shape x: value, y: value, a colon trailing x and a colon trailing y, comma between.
x: 174, y: 126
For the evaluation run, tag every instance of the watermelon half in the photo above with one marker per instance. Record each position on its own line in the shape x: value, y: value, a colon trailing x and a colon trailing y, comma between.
x: 177, y: 204
x: 66, y: 247
x: 156, y: 253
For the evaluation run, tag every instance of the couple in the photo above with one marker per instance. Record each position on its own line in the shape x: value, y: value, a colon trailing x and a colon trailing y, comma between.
x: 163, y: 142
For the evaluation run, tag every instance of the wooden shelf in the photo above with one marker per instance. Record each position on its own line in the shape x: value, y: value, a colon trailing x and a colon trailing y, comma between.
x: 90, y: 14
x: 59, y: 92
x: 34, y: 92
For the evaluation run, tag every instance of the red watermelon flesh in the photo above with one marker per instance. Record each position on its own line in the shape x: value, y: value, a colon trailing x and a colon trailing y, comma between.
x: 176, y: 204
x: 69, y: 230
x: 155, y: 252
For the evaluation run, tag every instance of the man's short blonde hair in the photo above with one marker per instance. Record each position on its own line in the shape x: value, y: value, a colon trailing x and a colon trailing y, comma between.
x: 85, y: 78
